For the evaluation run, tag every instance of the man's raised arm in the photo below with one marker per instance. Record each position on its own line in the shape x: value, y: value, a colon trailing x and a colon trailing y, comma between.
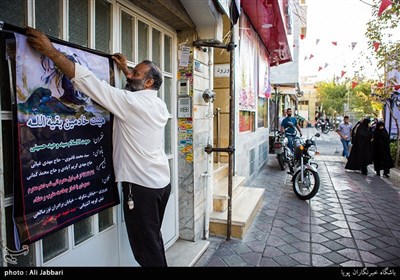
x: 42, y: 44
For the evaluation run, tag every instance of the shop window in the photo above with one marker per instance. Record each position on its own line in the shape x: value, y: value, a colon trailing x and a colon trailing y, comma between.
x: 127, y: 35
x: 55, y: 244
x: 167, y: 53
x: 13, y: 12
x: 246, y: 121
x: 83, y: 230
x: 78, y: 22
x: 103, y: 26
x: 48, y: 22
x: 106, y: 219
x: 262, y: 112
x: 143, y: 41
x: 7, y: 145
x: 156, y: 47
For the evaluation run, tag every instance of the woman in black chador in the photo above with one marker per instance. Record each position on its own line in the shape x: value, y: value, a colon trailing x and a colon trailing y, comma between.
x: 361, y: 152
x: 382, y: 158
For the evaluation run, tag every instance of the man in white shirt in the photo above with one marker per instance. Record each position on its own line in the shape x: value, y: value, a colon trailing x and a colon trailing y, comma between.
x: 344, y: 131
x: 140, y: 162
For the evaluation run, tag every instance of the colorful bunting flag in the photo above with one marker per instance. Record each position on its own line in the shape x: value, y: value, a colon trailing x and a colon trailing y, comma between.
x: 302, y: 36
x: 376, y: 45
x: 396, y: 87
x: 384, y: 5
x: 353, y: 84
x: 380, y: 85
x: 316, y: 42
x: 326, y: 65
x: 343, y: 72
x: 311, y: 56
x: 305, y: 58
x: 353, y: 45
x: 319, y: 68
x: 334, y: 43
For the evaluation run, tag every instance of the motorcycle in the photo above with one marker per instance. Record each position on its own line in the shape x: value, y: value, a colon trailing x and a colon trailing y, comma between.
x: 305, y: 178
x: 281, y: 149
x: 324, y: 126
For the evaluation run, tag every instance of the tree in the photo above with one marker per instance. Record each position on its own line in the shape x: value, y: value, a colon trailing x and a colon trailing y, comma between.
x: 380, y: 33
x: 336, y: 96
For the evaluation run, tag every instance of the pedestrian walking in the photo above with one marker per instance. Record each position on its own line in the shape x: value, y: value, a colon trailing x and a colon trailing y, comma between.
x: 344, y: 131
x: 381, y: 143
x: 361, y: 152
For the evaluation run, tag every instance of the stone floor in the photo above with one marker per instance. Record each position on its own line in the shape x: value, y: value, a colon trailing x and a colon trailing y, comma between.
x: 353, y: 221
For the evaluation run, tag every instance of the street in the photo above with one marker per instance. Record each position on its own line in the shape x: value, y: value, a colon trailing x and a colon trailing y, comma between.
x: 353, y: 221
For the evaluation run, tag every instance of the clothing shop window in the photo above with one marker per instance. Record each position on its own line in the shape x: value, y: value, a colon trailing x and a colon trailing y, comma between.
x: 143, y: 41
x: 83, y: 230
x: 103, y: 26
x: 78, y: 22
x: 55, y: 244
x: 49, y: 22
x: 13, y: 12
x: 127, y: 35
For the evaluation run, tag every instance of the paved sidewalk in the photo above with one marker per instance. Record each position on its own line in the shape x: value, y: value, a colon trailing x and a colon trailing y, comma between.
x: 353, y: 221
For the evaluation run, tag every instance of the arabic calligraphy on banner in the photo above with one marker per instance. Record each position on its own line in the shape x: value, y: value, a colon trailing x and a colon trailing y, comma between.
x: 65, y: 149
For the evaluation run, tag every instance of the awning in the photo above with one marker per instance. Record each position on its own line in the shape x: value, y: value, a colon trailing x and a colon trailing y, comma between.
x: 266, y: 17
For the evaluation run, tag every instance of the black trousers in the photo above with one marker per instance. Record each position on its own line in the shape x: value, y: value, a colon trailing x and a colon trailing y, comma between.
x: 143, y: 223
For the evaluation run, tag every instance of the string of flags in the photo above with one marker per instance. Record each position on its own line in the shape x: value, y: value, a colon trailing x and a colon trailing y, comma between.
x: 383, y: 6
x: 352, y: 45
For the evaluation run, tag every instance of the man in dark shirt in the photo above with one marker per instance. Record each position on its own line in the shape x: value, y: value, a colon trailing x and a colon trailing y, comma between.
x: 289, y: 130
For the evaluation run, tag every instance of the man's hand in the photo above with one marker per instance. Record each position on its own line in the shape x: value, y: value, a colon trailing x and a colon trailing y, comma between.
x: 122, y: 64
x: 42, y: 44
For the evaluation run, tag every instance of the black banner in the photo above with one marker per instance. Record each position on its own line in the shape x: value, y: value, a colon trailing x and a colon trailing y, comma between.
x: 64, y: 171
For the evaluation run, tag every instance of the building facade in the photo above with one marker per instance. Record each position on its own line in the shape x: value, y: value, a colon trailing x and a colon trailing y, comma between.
x: 164, y: 32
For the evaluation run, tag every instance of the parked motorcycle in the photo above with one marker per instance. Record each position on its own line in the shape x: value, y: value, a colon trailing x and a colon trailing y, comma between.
x: 281, y: 149
x: 305, y: 178
x: 324, y: 126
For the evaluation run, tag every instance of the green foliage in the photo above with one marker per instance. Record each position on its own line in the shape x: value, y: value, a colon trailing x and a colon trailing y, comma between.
x: 393, y: 150
x: 334, y: 96
x: 382, y: 30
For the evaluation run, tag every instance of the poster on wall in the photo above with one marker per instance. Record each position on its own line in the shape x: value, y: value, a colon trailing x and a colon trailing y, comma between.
x: 393, y: 78
x: 248, y: 39
x: 64, y: 170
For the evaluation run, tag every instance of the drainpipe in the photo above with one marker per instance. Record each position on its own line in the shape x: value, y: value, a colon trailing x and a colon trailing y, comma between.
x: 208, y: 175
x: 231, y: 130
x: 231, y: 148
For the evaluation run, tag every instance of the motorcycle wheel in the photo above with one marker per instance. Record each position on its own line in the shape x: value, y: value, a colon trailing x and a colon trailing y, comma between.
x: 310, y: 187
x: 326, y: 129
x: 281, y: 161
x: 318, y: 127
x: 331, y: 127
